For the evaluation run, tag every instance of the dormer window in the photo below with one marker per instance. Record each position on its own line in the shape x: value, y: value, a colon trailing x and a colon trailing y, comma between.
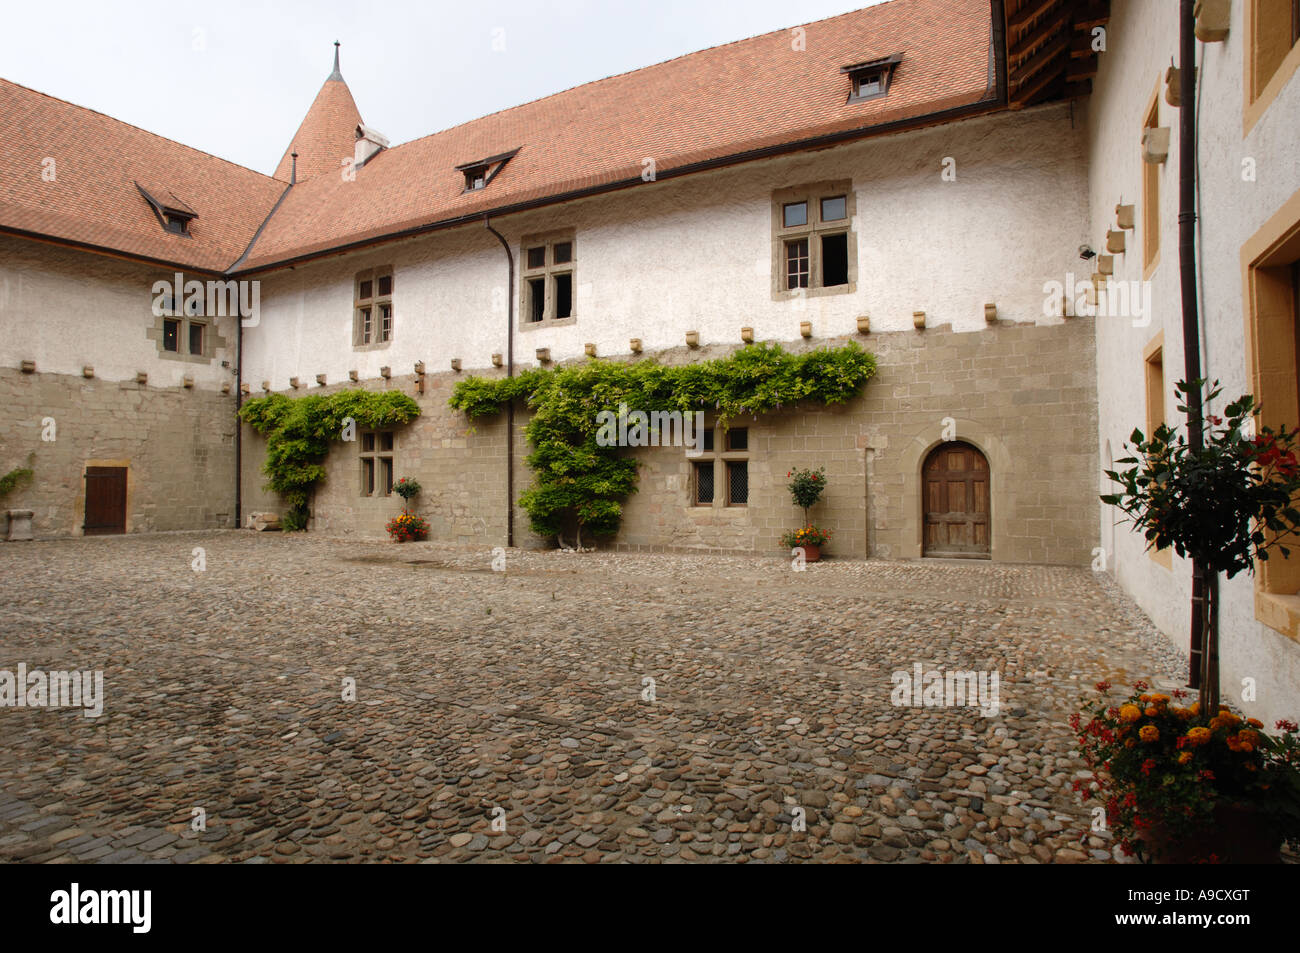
x: 480, y: 173
x: 870, y: 80
x: 173, y: 214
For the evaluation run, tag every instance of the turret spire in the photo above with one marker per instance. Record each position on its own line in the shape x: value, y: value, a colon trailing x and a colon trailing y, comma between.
x: 336, y: 74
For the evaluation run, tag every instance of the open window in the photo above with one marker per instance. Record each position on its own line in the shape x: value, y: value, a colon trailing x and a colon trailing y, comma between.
x: 548, y: 279
x: 813, y: 245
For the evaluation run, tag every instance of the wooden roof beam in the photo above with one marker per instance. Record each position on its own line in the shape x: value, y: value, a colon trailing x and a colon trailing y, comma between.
x: 1028, y: 43
x: 1025, y: 95
x: 1039, y: 60
x: 1027, y: 13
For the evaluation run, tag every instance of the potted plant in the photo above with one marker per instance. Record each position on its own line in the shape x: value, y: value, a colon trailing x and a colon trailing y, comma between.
x: 806, y: 488
x: 1224, y: 503
x: 1181, y: 787
x: 405, y: 527
x: 407, y: 488
x: 810, y: 539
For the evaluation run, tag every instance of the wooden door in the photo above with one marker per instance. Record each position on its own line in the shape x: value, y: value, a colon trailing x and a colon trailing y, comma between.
x: 956, y: 501
x: 105, y: 501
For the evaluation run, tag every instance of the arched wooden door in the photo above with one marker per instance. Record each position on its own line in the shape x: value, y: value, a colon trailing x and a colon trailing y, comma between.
x: 956, y: 501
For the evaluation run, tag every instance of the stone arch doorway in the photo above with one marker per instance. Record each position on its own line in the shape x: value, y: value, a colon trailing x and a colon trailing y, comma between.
x: 955, y: 502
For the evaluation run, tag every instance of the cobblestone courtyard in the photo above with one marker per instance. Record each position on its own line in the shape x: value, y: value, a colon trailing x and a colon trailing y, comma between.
x: 522, y: 691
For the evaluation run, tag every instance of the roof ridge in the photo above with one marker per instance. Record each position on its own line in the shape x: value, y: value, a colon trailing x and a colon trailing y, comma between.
x: 649, y: 66
x: 147, y: 132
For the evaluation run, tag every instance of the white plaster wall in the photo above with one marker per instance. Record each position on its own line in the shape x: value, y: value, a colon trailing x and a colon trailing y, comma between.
x: 1142, y: 37
x: 66, y: 309
x: 695, y: 254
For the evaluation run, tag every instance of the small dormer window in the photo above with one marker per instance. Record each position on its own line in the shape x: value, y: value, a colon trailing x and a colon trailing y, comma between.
x: 172, y: 213
x: 480, y: 173
x: 870, y: 80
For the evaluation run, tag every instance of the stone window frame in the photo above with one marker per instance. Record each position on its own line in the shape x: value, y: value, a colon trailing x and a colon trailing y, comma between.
x: 547, y: 271
x: 374, y: 302
x: 211, y: 339
x: 718, y: 457
x: 1156, y: 395
x: 376, y: 457
x: 1151, y: 173
x: 813, y: 193
x: 1271, y: 312
x: 1270, y: 56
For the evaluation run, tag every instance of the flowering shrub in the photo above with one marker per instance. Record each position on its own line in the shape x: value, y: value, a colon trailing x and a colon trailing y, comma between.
x: 1156, y: 764
x: 406, y: 526
x: 1226, y: 504
x: 406, y: 488
x: 808, y: 536
x: 806, y: 487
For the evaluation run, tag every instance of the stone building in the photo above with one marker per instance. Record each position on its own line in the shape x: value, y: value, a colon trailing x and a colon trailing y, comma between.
x: 920, y: 176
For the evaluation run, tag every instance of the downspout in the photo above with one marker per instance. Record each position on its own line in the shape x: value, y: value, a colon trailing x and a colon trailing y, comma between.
x: 1203, y: 652
x: 510, y: 372
x: 239, y: 424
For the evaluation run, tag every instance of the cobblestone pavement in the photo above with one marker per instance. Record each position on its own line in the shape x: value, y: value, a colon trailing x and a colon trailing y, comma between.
x: 516, y: 697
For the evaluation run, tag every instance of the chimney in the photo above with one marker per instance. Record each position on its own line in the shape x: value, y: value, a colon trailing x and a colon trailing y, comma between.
x: 369, y: 144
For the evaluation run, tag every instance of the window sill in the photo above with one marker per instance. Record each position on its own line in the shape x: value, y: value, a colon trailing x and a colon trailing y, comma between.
x: 547, y: 323
x: 185, y: 358
x: 378, y: 346
x: 848, y: 289
x: 1279, y: 612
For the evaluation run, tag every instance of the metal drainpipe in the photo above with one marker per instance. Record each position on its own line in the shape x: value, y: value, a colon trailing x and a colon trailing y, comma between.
x: 510, y: 372
x: 239, y: 424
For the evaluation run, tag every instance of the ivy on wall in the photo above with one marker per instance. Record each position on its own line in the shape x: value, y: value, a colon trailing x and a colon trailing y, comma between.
x: 11, y: 480
x: 581, y: 485
x: 299, y: 430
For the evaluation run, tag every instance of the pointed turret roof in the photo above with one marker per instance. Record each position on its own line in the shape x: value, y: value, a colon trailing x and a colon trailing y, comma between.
x: 328, y: 132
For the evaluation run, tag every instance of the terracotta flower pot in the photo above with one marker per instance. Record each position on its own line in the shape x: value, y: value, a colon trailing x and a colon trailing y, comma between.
x: 1239, y: 834
x: 811, y: 553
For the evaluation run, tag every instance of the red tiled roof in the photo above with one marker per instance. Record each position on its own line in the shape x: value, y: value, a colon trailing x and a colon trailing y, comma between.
x: 327, y: 134
x: 715, y: 106
x: 93, y: 199
x: 748, y: 95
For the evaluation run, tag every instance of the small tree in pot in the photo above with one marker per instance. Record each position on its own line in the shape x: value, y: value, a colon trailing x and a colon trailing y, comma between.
x: 806, y: 488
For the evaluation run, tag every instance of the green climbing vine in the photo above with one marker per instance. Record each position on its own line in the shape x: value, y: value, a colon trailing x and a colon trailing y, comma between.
x: 299, y: 430
x: 581, y: 485
x: 11, y: 480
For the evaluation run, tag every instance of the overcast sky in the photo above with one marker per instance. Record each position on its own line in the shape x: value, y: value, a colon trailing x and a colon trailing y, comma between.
x: 235, y: 78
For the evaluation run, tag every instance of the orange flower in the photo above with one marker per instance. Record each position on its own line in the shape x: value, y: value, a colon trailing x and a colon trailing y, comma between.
x: 1149, y: 733
x: 1184, y: 757
x: 1152, y: 711
x: 1129, y: 713
x: 1254, y: 723
x: 1198, y: 735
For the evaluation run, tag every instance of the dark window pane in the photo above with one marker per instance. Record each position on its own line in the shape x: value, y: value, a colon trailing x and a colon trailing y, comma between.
x: 386, y: 479
x: 796, y: 213
x: 385, y: 286
x: 563, y: 296
x: 537, y: 257
x: 366, y: 289
x: 703, y: 483
x: 368, y: 476
x: 835, y: 260
x: 171, y: 336
x: 796, y: 264
x: 367, y: 443
x: 738, y: 438
x: 386, y: 442
x: 869, y: 85
x: 536, y: 299
x: 196, y: 339
x: 708, y: 440
x: 833, y: 210
x: 563, y: 253
x: 738, y: 483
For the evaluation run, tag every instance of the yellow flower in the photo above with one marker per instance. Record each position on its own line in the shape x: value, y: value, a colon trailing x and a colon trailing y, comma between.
x: 1149, y: 733
x: 1198, y: 735
x: 1129, y: 713
x: 1184, y: 757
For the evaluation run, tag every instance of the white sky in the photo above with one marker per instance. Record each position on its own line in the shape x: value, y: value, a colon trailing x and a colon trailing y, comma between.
x: 235, y: 78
